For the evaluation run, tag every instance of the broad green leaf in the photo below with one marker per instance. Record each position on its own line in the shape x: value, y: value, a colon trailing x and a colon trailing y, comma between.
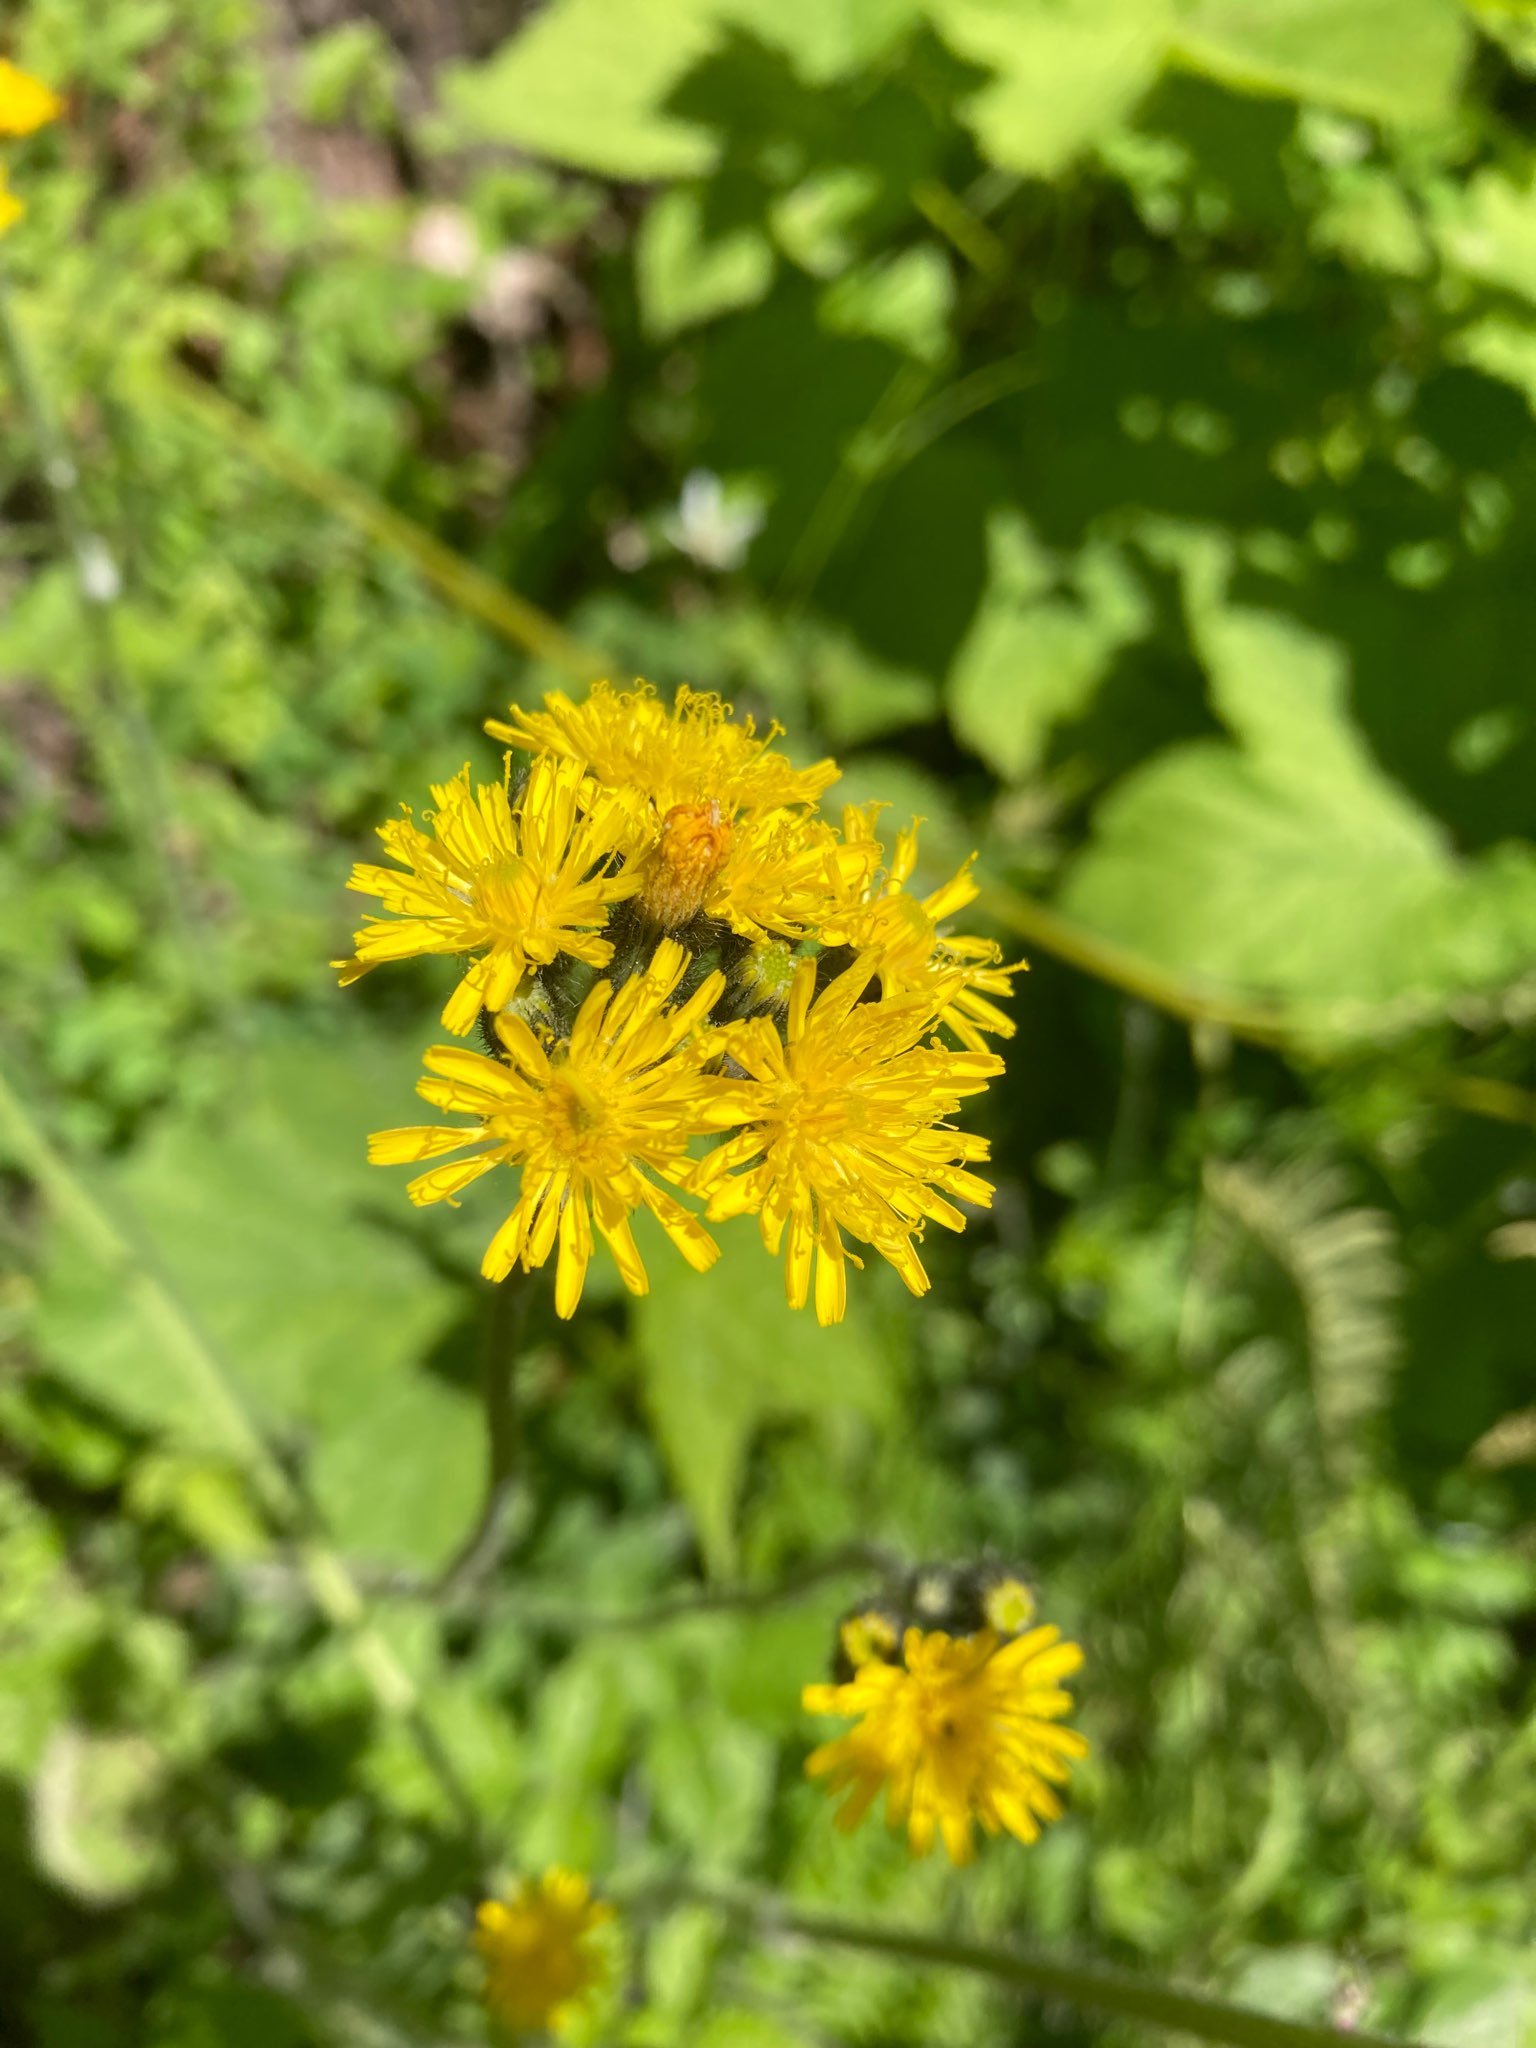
x: 1289, y: 862
x: 1488, y: 2001
x: 857, y: 698
x: 217, y: 2007
x: 1388, y: 60
x: 1035, y: 655
x: 1299, y: 1982
x: 1488, y: 230
x: 1368, y: 220
x: 722, y: 1354
x: 255, y: 1216
x: 817, y: 222
x: 825, y: 39
x: 685, y: 275
x: 1501, y: 345
x: 1067, y: 71
x: 586, y: 82
x: 905, y: 300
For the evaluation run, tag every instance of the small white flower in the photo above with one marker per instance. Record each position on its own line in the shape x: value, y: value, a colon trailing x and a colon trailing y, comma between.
x: 714, y: 526
x: 99, y: 575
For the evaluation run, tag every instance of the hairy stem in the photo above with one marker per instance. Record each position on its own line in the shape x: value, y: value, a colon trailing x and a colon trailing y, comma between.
x: 1089, y: 1986
x: 486, y: 1545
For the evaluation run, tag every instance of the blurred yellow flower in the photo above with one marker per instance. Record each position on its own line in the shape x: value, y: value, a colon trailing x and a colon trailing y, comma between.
x: 905, y: 935
x: 26, y: 104
x: 1008, y: 1602
x: 541, y: 1963
x: 964, y: 1729
x: 588, y: 1124
x: 691, y: 754
x: 844, y: 1131
x: 514, y: 882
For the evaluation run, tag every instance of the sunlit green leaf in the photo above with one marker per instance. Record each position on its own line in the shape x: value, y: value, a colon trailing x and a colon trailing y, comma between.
x: 722, y: 1355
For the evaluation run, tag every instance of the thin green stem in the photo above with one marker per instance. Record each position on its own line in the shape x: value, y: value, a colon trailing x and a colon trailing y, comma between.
x: 514, y: 617
x: 486, y: 1545
x: 961, y: 226
x: 866, y: 1560
x: 1482, y: 1095
x: 569, y: 1617
x: 862, y: 459
x: 961, y: 401
x: 1091, y: 1987
x: 1262, y: 1023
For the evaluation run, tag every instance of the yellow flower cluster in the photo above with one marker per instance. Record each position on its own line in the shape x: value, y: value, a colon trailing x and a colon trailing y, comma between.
x: 953, y: 1729
x: 542, y: 1964
x: 26, y: 104
x: 664, y: 942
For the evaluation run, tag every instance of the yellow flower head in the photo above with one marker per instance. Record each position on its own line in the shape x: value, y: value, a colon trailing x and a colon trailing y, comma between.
x: 964, y: 1729
x: 727, y: 832
x: 588, y: 1123
x: 514, y: 882
x: 26, y: 104
x: 691, y: 754
x: 541, y: 1963
x: 904, y: 933
x: 770, y: 874
x: 672, y: 850
x: 869, y: 1633
x: 844, y: 1131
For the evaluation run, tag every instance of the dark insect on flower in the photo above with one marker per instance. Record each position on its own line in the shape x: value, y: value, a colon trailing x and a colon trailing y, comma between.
x: 958, y: 1701
x: 955, y: 1599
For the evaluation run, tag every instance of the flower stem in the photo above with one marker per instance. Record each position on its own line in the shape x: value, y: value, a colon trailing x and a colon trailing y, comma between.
x: 486, y: 1545
x: 1089, y: 1986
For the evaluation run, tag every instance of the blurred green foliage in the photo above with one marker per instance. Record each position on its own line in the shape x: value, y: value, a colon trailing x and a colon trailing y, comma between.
x: 1107, y: 424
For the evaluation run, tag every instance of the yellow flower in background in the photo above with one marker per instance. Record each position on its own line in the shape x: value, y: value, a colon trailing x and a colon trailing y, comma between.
x: 904, y: 933
x: 1008, y: 1602
x: 691, y: 754
x: 542, y: 1965
x: 964, y: 1729
x: 26, y: 104
x: 843, y: 1130
x: 514, y: 882
x: 588, y: 1124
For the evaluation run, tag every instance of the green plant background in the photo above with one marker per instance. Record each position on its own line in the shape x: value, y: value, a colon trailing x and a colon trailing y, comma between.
x: 1106, y: 425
